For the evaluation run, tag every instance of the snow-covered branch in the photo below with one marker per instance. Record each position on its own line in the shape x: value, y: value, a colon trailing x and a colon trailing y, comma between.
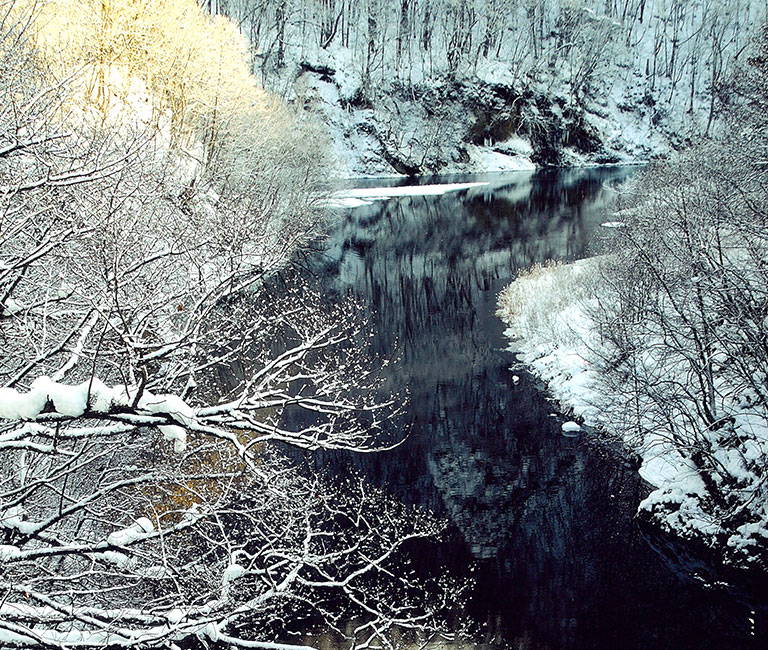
x: 154, y: 346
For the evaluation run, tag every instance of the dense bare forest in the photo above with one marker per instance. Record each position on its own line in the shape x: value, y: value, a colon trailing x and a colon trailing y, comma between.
x: 558, y: 82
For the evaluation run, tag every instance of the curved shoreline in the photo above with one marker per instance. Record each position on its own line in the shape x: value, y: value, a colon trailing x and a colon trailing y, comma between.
x: 547, y: 314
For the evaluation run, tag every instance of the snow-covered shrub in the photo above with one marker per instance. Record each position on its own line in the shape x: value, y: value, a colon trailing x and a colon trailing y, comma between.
x: 147, y: 364
x: 672, y: 331
x: 546, y: 311
x: 544, y: 301
x: 685, y: 341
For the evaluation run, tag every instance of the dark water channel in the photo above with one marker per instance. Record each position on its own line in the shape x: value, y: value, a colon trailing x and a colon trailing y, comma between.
x: 545, y: 521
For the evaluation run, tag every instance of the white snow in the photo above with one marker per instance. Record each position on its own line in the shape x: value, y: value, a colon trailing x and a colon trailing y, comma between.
x: 73, y: 401
x: 102, y: 397
x: 21, y: 406
x: 571, y: 427
x: 175, y: 434
x: 120, y: 560
x: 174, y: 406
x: 139, y: 530
x: 13, y: 517
x: 211, y: 630
x: 232, y: 573
x: 547, y: 312
x: 8, y: 552
x: 66, y: 400
x: 145, y: 524
x: 11, y: 307
x: 659, y: 468
x: 175, y: 615
x: 487, y: 159
x: 365, y: 195
x: 347, y: 202
x: 170, y: 404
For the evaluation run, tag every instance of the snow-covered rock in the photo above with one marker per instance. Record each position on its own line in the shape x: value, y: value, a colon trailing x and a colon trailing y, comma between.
x: 571, y: 427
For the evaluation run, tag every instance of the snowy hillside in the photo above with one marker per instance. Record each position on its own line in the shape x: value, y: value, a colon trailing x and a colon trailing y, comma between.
x: 488, y: 85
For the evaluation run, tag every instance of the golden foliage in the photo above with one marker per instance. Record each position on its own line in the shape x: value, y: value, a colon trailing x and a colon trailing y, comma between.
x: 211, y: 470
x: 190, y: 66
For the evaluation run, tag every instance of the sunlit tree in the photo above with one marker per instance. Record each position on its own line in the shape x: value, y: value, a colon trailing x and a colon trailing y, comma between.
x: 155, y: 354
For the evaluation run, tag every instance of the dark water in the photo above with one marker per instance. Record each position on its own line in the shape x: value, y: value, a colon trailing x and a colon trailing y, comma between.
x: 545, y: 520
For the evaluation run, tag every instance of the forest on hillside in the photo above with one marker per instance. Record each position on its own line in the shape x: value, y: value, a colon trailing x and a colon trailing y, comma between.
x: 576, y: 80
x: 661, y: 340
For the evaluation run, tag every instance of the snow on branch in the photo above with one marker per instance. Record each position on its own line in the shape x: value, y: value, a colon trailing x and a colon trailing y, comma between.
x: 147, y: 302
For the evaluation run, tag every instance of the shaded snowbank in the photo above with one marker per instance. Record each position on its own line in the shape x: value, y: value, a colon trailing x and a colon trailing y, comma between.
x: 549, y: 311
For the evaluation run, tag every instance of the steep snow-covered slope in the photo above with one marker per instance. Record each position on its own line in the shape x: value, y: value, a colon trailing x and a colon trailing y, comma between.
x: 427, y: 86
x: 448, y: 124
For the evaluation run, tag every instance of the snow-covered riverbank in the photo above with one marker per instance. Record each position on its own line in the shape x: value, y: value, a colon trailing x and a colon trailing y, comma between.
x: 550, y: 312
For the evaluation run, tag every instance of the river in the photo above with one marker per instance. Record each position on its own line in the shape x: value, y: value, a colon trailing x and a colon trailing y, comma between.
x: 542, y: 521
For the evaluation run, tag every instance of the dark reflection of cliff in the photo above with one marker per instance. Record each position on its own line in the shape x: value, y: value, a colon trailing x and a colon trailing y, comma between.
x: 547, y: 519
x: 422, y: 261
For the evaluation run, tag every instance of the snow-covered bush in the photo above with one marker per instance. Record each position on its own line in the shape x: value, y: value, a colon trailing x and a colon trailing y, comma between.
x: 541, y: 301
x: 682, y: 314
x: 546, y: 311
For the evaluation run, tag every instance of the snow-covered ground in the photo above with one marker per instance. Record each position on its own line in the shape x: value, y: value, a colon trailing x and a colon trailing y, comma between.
x: 548, y: 311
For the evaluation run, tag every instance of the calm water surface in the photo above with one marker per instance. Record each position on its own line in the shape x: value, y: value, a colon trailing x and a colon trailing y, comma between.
x: 543, y: 522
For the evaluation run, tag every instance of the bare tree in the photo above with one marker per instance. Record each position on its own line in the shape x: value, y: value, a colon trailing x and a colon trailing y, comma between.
x: 542, y: 40
x: 586, y: 40
x: 150, y: 367
x: 682, y: 309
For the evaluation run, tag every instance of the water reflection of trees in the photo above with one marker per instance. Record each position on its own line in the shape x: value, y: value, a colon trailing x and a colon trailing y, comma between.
x: 550, y: 521
x: 422, y: 261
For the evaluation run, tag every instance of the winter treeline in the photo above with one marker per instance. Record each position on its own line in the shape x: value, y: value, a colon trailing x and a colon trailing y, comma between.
x: 663, y: 341
x: 679, y: 46
x: 682, y: 311
x: 149, y: 194
x: 417, y: 86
